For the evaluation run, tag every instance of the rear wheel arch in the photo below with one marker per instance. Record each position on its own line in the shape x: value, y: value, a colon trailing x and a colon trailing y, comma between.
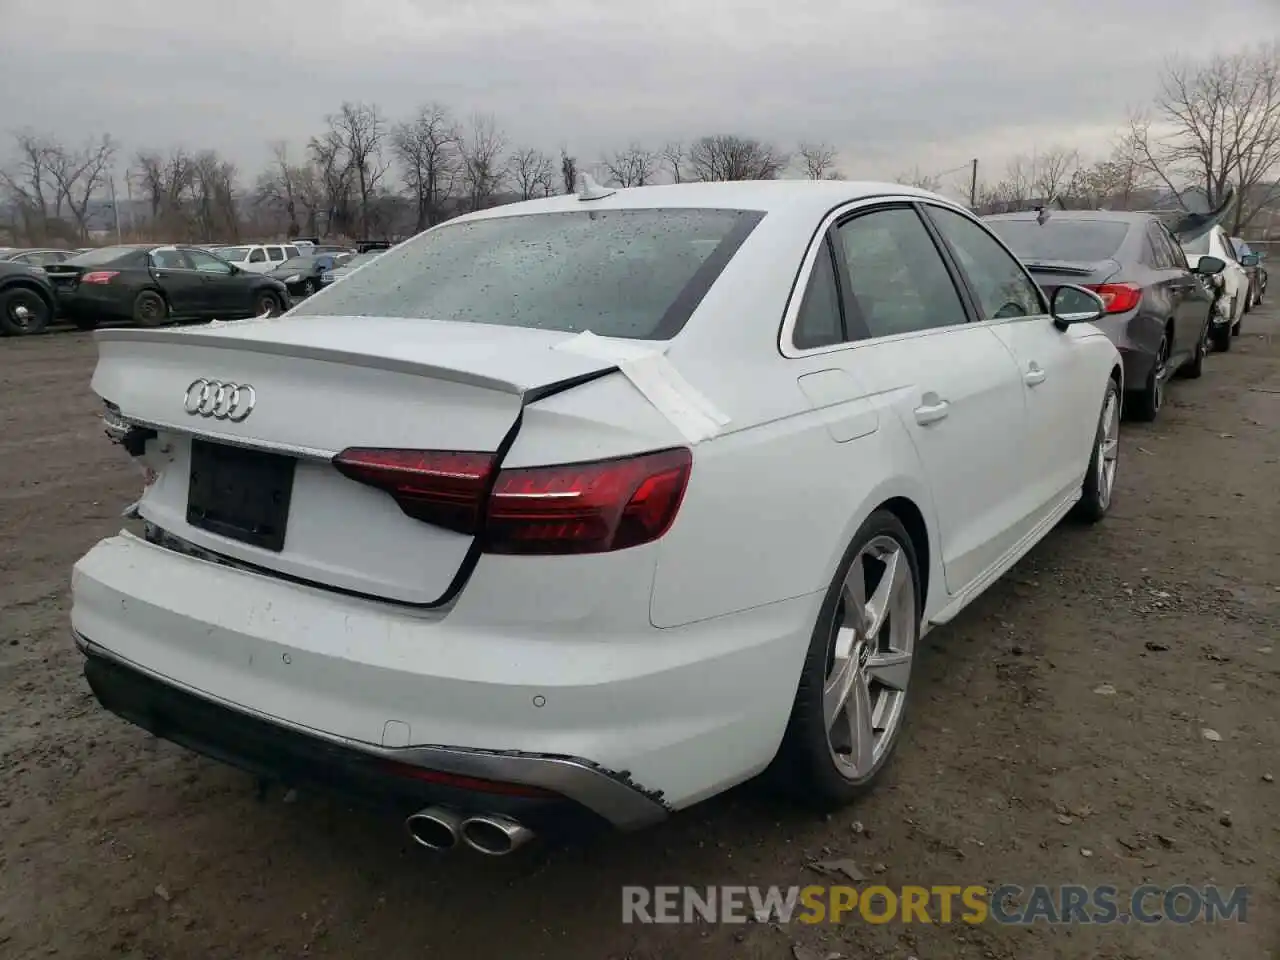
x: 35, y: 288
x: 912, y: 519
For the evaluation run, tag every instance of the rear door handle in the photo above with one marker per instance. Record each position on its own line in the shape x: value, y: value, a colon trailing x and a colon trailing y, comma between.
x: 932, y: 410
x: 1034, y: 376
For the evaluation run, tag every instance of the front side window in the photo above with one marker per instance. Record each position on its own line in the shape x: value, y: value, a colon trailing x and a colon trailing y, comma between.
x: 169, y: 258
x: 618, y: 273
x: 897, y: 278
x: 275, y: 253
x: 207, y: 262
x: 1003, y: 289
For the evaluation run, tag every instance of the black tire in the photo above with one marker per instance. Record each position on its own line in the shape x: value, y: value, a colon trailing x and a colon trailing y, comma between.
x: 1235, y: 327
x: 85, y: 323
x: 150, y: 309
x: 1248, y: 299
x: 267, y: 304
x: 24, y: 312
x: 1144, y: 405
x: 1220, y: 337
x: 1193, y: 369
x: 308, y: 287
x: 1096, y: 492
x: 804, y: 766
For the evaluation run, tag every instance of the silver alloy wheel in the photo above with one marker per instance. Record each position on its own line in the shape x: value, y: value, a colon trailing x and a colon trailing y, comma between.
x: 869, y: 658
x: 1108, y: 449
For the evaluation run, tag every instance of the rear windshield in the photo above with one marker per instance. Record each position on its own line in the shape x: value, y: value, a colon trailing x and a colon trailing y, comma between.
x: 1084, y: 240
x: 619, y: 273
x: 101, y: 255
x: 1199, y: 245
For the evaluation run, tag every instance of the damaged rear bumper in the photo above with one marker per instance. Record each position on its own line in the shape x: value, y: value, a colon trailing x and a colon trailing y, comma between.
x: 557, y: 796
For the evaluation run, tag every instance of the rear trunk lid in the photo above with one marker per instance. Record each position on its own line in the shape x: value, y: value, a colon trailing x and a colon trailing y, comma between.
x: 64, y: 276
x: 250, y: 479
x: 1051, y: 274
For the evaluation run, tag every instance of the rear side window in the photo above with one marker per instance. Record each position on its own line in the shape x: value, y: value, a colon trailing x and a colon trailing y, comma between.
x: 618, y: 273
x: 257, y: 255
x: 819, y: 324
x: 1162, y: 253
x: 290, y: 252
x: 896, y: 275
x: 275, y: 253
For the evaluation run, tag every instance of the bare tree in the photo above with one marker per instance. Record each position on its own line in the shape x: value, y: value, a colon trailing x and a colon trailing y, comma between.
x: 77, y: 174
x: 29, y: 183
x: 568, y: 170
x: 213, y: 188
x: 676, y: 160
x: 633, y: 167
x: 920, y: 180
x: 428, y: 148
x: 1052, y: 172
x: 728, y: 157
x: 1113, y: 183
x: 335, y: 177
x: 533, y: 173
x: 1224, y: 118
x: 481, y: 161
x: 819, y: 160
x: 360, y: 130
x: 165, y: 182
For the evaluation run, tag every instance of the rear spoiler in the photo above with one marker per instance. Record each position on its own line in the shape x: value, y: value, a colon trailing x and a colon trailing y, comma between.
x: 1192, y: 226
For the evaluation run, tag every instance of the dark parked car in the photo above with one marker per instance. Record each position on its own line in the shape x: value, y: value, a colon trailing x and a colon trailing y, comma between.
x: 36, y: 256
x: 1251, y: 260
x: 341, y: 270
x: 27, y: 301
x: 1158, y: 308
x: 150, y: 284
x: 302, y: 274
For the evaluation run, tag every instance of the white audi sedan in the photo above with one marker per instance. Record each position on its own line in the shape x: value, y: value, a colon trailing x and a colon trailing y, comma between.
x: 571, y: 513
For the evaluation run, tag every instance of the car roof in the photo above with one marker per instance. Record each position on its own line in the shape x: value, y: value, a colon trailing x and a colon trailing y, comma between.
x: 800, y: 197
x: 1112, y: 216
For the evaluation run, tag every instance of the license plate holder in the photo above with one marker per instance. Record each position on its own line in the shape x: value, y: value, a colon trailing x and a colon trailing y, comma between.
x: 241, y: 494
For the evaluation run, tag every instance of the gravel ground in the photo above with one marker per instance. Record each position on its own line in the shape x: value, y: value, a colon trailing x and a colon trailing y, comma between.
x: 1058, y: 736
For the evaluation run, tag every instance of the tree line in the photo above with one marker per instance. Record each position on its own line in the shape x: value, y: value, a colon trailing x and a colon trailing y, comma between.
x: 1215, y: 126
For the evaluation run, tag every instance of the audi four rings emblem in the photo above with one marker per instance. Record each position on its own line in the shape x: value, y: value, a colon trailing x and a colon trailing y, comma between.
x: 221, y: 401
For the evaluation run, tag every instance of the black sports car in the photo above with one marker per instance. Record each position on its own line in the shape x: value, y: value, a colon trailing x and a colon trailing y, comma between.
x: 27, y: 300
x: 150, y: 284
x: 302, y: 274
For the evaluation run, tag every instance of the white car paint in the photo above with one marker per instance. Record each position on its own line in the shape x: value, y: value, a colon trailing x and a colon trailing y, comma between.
x: 1235, y: 279
x: 258, y: 257
x: 675, y: 661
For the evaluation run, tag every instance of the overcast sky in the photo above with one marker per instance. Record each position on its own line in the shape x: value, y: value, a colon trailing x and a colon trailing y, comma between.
x: 895, y: 84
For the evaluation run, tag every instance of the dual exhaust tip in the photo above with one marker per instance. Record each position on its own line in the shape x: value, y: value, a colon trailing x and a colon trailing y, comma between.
x: 491, y: 834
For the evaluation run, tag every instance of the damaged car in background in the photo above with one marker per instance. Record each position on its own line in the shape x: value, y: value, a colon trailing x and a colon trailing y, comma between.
x: 667, y: 501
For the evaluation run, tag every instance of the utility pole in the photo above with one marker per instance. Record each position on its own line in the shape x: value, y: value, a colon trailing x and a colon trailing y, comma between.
x: 115, y: 207
x: 973, y: 186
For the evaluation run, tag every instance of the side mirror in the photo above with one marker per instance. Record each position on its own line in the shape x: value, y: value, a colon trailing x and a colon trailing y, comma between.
x: 1249, y: 260
x: 1072, y: 304
x: 1207, y: 266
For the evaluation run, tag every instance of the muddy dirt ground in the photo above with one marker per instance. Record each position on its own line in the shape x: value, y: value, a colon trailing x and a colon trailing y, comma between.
x: 1058, y: 736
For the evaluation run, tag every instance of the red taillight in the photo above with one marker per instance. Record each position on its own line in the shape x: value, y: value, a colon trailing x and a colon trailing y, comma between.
x: 589, y: 507
x: 100, y: 276
x: 443, y: 488
x: 586, y: 507
x: 1118, y: 297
